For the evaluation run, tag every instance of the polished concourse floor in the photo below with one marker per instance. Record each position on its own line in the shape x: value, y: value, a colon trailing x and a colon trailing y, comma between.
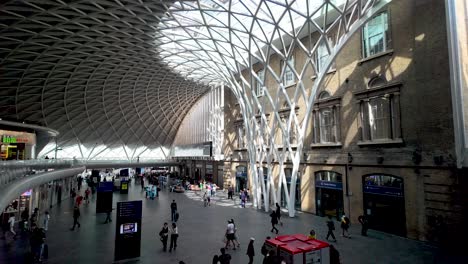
x: 201, y: 231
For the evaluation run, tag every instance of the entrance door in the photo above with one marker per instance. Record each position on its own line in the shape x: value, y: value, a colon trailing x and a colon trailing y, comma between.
x: 384, y: 203
x: 297, y: 198
x: 241, y: 178
x: 329, y: 194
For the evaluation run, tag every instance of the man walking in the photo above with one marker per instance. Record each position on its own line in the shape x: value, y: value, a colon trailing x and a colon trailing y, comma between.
x: 11, y: 221
x: 274, y: 221
x: 230, y: 191
x: 108, y: 216
x: 174, y: 236
x: 224, y: 258
x: 364, y: 220
x: 331, y: 227
x: 76, y: 215
x: 173, y: 211
x: 164, y: 234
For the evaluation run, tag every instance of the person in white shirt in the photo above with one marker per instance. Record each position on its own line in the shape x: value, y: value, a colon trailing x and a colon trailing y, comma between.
x: 230, y: 234
x: 46, y: 220
x: 174, y: 236
x: 11, y: 221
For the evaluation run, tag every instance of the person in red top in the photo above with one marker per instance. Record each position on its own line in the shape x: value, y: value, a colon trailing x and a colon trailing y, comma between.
x: 78, y: 200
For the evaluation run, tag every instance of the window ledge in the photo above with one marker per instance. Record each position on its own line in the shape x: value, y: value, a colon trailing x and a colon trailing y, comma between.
x: 290, y: 85
x: 326, y: 145
x: 328, y: 72
x: 381, y: 54
x: 380, y: 142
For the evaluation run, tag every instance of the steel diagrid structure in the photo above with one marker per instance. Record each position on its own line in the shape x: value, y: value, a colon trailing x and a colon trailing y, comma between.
x: 91, y: 70
x: 111, y: 71
x: 228, y: 40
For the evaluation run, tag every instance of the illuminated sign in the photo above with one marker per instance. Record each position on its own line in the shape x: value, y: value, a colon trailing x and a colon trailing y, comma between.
x: 11, y: 139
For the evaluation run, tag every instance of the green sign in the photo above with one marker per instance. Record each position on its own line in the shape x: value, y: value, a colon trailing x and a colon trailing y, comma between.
x: 8, y: 139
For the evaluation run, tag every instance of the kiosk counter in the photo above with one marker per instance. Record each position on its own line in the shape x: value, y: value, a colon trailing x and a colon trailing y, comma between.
x: 299, y: 249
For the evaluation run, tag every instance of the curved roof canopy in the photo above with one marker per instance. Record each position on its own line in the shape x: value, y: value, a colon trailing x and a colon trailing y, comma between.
x: 91, y: 70
x: 120, y: 74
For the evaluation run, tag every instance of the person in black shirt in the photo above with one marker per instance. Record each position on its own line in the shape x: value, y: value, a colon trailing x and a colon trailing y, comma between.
x: 224, y: 258
x: 163, y: 234
x: 364, y: 220
x: 37, y: 239
x: 76, y: 215
x: 331, y: 227
x: 173, y: 210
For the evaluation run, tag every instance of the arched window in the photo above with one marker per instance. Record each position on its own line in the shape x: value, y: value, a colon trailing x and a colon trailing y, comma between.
x: 376, y: 82
x: 324, y: 95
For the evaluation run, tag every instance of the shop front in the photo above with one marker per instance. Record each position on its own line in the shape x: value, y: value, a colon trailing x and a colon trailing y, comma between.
x: 384, y: 203
x: 16, y: 145
x: 329, y: 193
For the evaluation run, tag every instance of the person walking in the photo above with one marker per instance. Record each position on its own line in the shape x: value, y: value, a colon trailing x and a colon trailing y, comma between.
x: 230, y: 234
x: 11, y: 221
x: 278, y: 214
x: 250, y: 250
x: 45, y: 223
x: 108, y: 215
x: 174, y: 235
x: 345, y: 226
x: 173, y: 210
x: 274, y: 221
x: 37, y: 240
x: 215, y: 259
x: 364, y: 220
x: 164, y: 234
x: 230, y: 191
x: 243, y: 198
x: 224, y: 258
x: 236, y: 239
x: 206, y: 199
x: 76, y: 215
x: 264, y: 249
x: 331, y: 227
x: 87, y: 192
x: 24, y: 219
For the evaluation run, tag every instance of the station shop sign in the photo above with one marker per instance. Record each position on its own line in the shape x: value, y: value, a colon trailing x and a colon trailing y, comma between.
x: 329, y: 185
x: 12, y: 139
x: 15, y: 137
x: 383, y: 190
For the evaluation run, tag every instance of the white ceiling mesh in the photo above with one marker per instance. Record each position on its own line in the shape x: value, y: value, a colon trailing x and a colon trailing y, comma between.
x: 91, y: 70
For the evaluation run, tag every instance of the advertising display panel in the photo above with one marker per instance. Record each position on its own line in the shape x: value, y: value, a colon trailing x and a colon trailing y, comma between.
x: 128, y: 230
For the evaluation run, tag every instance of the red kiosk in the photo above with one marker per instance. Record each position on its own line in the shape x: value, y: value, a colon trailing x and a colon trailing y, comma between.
x: 299, y: 249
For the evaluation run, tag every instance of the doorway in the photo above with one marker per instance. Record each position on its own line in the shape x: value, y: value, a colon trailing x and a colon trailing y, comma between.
x: 241, y: 178
x: 297, y: 197
x: 384, y: 203
x: 329, y: 194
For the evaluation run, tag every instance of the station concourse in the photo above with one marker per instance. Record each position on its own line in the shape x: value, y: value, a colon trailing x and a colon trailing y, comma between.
x: 227, y: 120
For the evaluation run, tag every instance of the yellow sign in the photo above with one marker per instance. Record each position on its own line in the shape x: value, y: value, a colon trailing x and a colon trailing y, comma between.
x: 124, y: 186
